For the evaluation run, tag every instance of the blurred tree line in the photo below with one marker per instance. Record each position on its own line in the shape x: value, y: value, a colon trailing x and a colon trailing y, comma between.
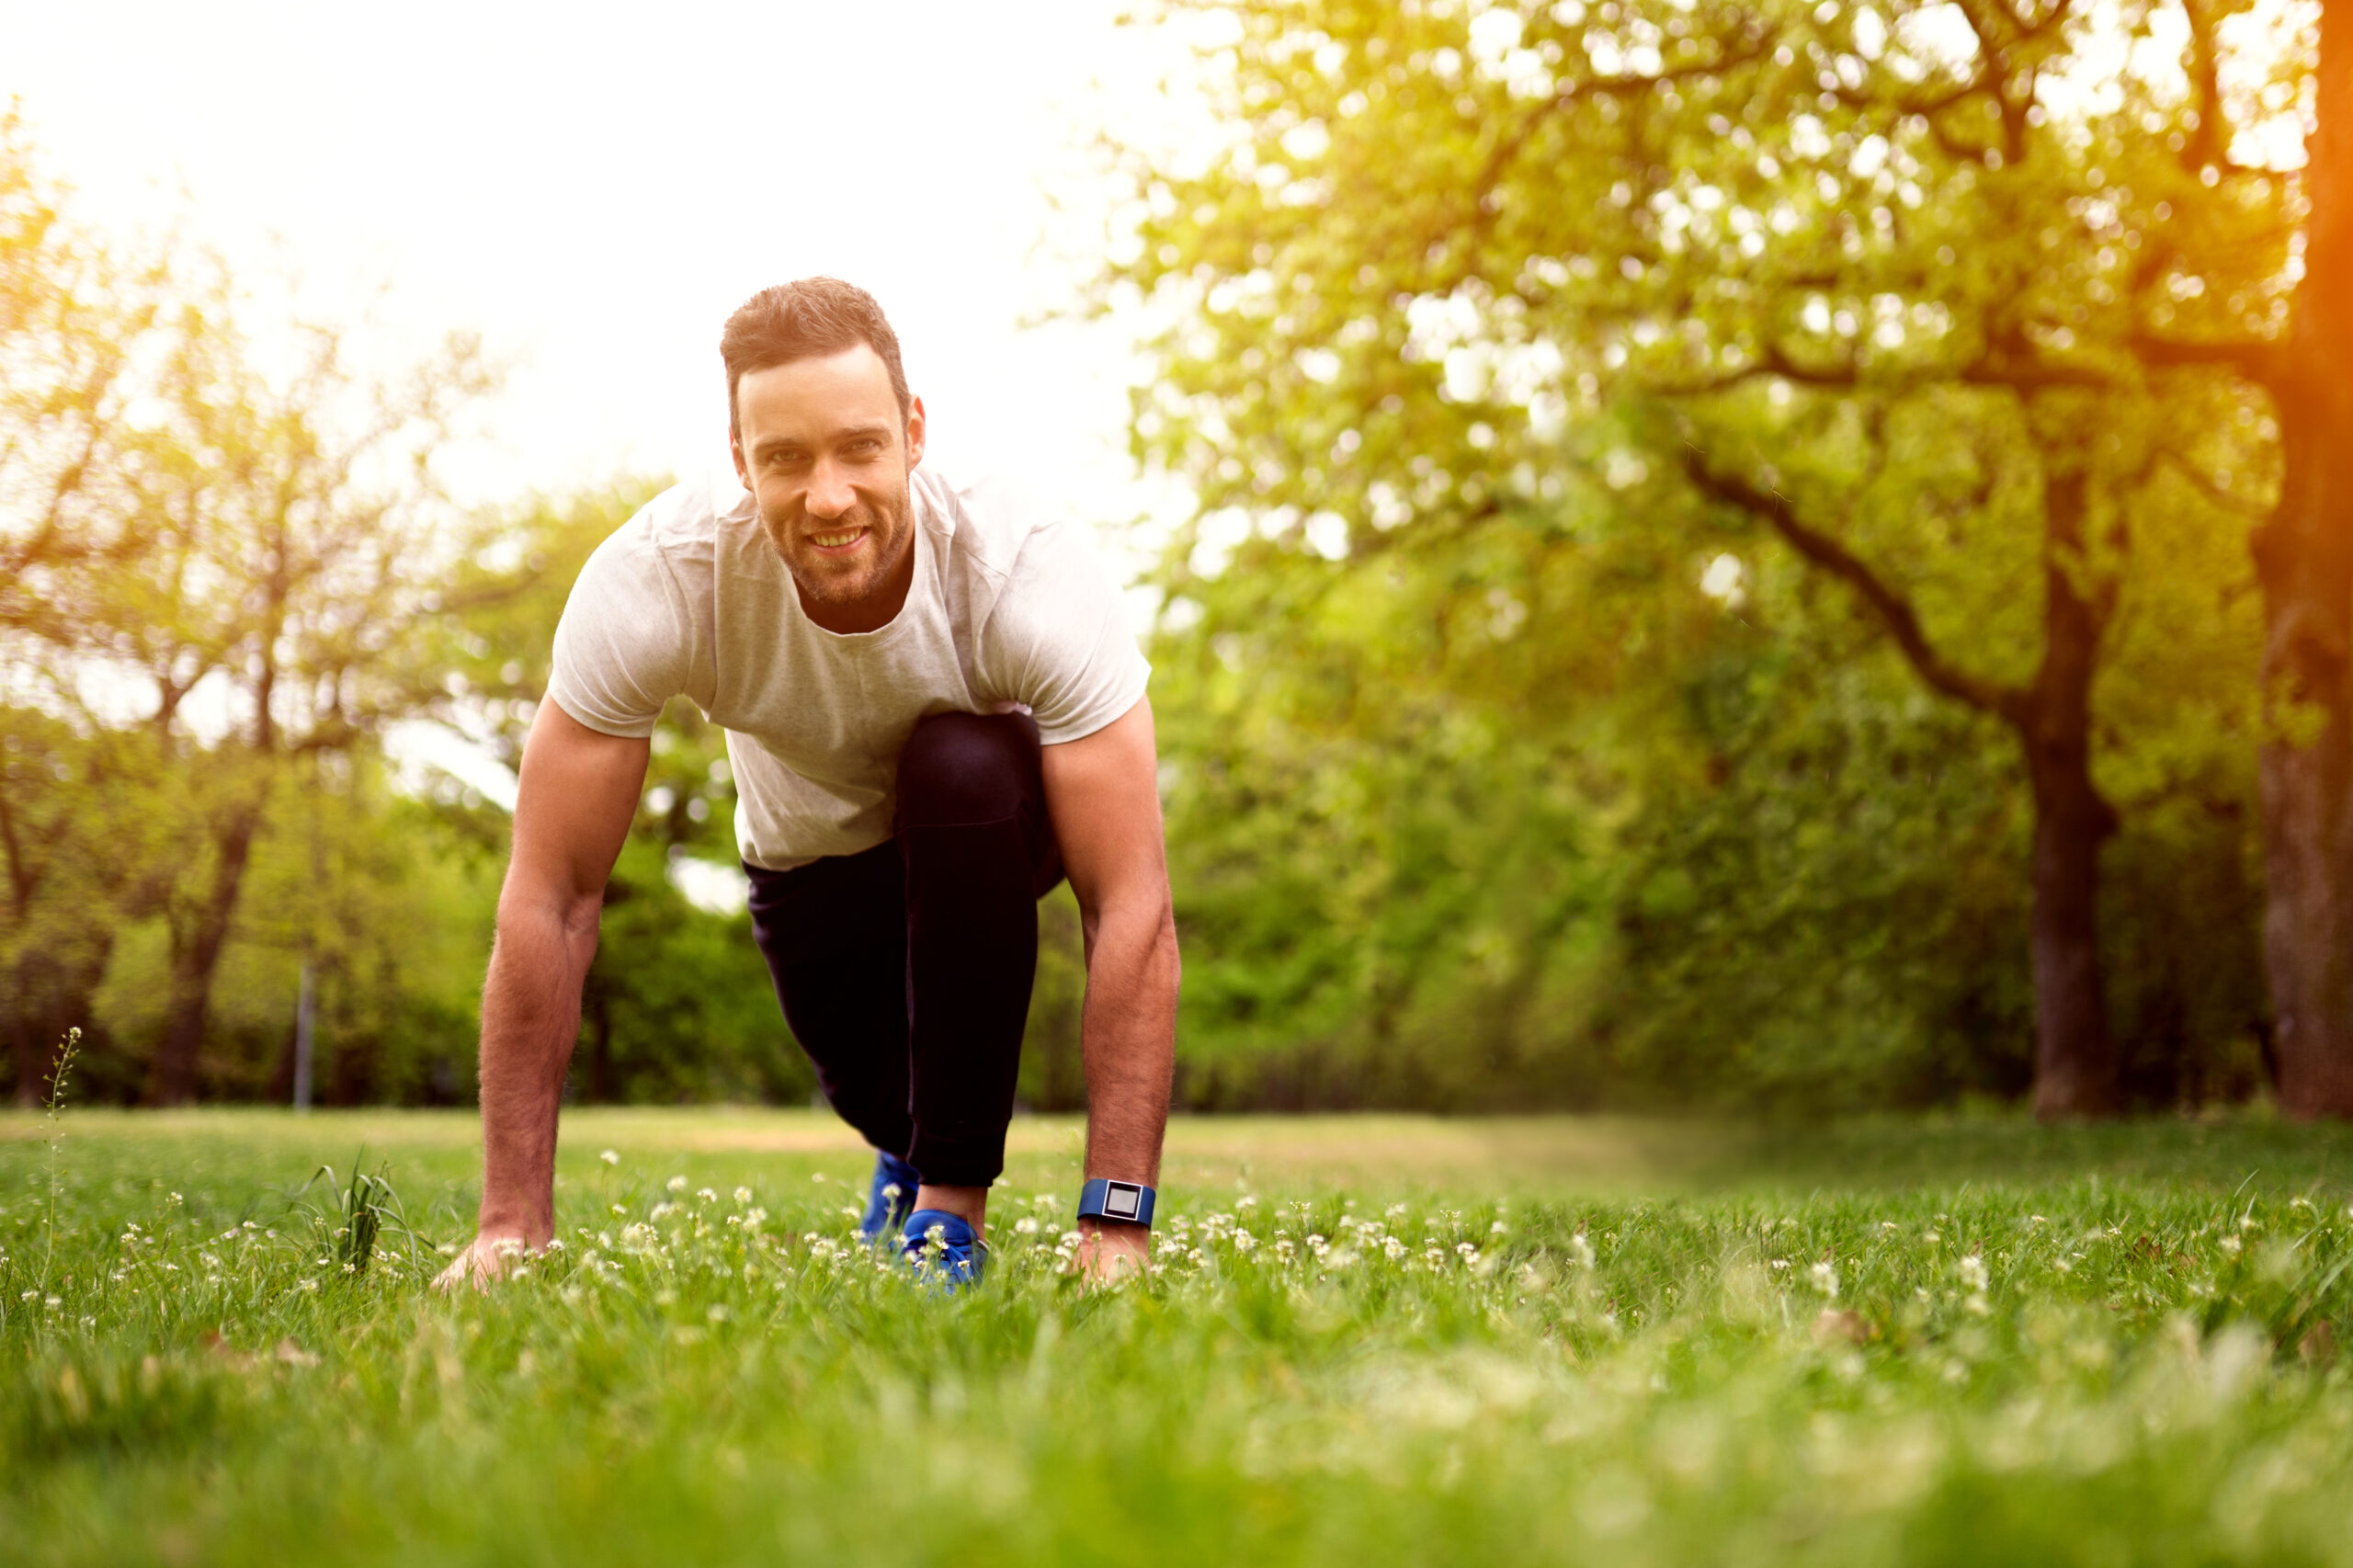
x: 1758, y: 550
x: 227, y: 569
x: 1757, y: 553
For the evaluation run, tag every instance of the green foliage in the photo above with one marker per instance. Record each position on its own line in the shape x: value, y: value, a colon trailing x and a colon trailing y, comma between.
x: 1587, y: 404
x: 1897, y: 1340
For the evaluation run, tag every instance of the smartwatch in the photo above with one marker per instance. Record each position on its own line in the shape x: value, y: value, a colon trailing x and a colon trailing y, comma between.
x: 1128, y: 1202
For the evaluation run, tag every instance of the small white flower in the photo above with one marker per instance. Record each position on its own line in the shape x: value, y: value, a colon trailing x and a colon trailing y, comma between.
x: 1498, y: 1229
x: 1393, y: 1248
x: 1972, y: 1271
x: 610, y: 1157
x: 1826, y: 1279
x: 1244, y: 1241
x: 1025, y: 1226
x: 743, y: 1195
x: 676, y: 1184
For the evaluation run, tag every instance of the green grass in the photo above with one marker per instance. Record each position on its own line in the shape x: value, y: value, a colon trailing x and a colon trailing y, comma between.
x: 1965, y: 1340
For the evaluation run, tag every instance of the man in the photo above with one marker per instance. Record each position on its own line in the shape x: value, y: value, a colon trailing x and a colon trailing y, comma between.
x: 934, y: 712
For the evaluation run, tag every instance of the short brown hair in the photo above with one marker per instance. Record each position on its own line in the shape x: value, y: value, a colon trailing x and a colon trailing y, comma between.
x: 806, y: 320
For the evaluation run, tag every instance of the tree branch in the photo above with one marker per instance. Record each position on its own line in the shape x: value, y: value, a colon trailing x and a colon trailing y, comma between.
x: 2255, y: 360
x: 1895, y: 611
x: 2213, y: 493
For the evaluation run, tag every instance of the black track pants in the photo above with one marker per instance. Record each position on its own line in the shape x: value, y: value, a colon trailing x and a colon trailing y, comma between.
x: 905, y: 970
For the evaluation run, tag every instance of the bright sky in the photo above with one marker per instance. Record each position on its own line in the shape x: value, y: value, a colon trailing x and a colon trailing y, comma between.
x: 594, y: 186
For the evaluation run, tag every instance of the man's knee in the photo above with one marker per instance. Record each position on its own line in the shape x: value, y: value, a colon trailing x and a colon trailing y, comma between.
x: 963, y: 768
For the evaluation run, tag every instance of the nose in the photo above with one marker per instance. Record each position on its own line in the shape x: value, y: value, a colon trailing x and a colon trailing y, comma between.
x: 830, y: 494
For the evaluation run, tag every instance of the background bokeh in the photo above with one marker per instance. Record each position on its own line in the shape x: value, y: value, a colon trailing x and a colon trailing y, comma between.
x: 1692, y: 553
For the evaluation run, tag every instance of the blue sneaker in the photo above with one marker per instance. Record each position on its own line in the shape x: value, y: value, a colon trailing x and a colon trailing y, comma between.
x: 892, y: 1197
x: 941, y: 1249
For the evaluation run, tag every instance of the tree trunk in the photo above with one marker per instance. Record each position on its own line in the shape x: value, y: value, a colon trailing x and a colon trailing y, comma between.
x: 601, y: 1044
x: 2076, y: 1067
x: 52, y: 993
x: 195, y: 958
x: 2303, y: 558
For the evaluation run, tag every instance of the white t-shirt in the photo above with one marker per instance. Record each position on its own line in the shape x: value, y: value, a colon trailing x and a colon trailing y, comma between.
x: 688, y: 598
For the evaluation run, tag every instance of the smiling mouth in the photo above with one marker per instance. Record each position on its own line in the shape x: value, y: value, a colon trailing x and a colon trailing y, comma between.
x: 837, y: 538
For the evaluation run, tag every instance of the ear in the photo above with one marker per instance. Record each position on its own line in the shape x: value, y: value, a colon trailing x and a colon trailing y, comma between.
x: 914, y: 431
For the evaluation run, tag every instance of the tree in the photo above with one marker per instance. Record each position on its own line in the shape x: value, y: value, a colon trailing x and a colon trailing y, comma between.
x: 2303, y: 554
x: 76, y: 320
x: 222, y: 562
x: 1884, y: 280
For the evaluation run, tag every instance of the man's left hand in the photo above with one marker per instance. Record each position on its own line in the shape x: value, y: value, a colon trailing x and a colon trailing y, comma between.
x: 1107, y: 1254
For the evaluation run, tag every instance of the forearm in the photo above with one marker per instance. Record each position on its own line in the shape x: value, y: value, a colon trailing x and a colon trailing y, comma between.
x: 530, y: 1016
x: 1128, y: 1040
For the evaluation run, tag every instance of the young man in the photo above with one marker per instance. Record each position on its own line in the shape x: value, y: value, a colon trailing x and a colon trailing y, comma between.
x: 934, y: 713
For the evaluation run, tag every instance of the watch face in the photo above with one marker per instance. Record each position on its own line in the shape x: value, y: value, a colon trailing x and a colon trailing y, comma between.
x: 1121, y: 1199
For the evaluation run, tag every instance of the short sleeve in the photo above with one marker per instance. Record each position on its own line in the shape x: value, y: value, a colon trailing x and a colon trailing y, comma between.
x: 625, y: 644
x: 1058, y: 641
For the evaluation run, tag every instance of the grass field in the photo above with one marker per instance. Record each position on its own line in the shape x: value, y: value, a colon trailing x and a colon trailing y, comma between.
x: 1369, y: 1340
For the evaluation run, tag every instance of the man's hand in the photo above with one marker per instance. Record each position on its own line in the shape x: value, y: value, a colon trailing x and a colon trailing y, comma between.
x: 483, y: 1261
x: 1107, y: 1254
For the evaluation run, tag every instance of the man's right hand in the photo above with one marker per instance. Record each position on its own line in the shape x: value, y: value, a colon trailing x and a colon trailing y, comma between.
x: 482, y: 1264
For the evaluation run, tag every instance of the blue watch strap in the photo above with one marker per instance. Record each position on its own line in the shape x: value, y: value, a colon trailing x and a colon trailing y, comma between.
x: 1125, y: 1201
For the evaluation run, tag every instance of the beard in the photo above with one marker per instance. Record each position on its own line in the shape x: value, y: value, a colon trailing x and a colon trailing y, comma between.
x: 828, y: 579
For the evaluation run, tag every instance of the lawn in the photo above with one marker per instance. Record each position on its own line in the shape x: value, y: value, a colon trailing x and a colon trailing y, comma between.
x: 1369, y: 1340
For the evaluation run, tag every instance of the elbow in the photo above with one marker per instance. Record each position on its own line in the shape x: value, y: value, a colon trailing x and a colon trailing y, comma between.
x: 527, y: 907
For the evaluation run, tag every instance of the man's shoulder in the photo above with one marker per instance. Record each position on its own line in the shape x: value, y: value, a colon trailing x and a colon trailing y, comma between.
x: 684, y: 522
x: 999, y: 529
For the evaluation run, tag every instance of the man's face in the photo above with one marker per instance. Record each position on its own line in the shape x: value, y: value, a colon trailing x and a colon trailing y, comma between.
x: 821, y: 446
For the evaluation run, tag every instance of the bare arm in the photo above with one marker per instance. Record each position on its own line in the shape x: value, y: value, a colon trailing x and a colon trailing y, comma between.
x: 579, y: 790
x: 1104, y: 796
